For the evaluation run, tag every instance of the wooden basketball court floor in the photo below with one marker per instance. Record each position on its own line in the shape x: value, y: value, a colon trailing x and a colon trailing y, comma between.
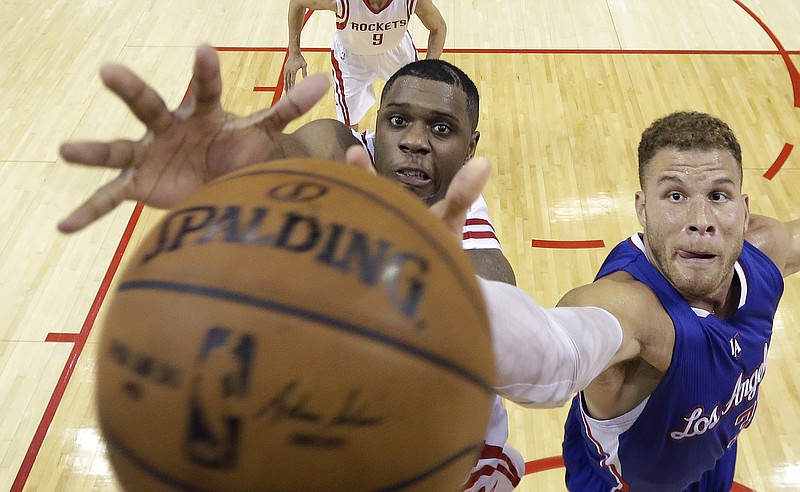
x: 566, y: 86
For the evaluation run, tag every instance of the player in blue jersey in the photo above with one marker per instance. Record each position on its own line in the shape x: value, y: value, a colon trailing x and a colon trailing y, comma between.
x: 695, y: 293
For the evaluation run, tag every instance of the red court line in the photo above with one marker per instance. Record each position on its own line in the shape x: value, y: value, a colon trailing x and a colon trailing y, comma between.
x: 554, y: 462
x: 270, y: 49
x: 793, y: 74
x: 265, y: 89
x: 62, y: 337
x: 544, y: 464
x: 69, y: 367
x: 779, y: 162
x: 609, y: 51
x: 549, y: 243
x: 537, y: 51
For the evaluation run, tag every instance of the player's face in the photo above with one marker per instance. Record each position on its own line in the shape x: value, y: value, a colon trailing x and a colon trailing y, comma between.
x: 694, y: 217
x: 423, y: 135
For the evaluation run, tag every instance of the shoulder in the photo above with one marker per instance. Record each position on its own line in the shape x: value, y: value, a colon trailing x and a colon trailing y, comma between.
x: 773, y: 238
x: 327, y: 134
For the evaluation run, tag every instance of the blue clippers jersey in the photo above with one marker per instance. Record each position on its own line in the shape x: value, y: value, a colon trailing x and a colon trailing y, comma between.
x: 683, y: 436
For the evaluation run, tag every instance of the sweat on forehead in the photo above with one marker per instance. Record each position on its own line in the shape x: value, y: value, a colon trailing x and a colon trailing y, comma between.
x: 687, y: 130
x: 441, y: 71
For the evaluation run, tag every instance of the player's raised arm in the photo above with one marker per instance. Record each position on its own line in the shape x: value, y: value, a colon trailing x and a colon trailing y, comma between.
x: 184, y: 148
x: 295, y: 60
x: 432, y: 19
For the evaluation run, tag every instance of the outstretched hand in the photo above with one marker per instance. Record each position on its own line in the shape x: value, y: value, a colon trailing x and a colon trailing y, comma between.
x: 185, y: 148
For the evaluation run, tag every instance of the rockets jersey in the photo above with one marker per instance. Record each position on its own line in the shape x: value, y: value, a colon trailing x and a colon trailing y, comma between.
x: 478, y: 231
x: 683, y: 436
x: 364, y: 31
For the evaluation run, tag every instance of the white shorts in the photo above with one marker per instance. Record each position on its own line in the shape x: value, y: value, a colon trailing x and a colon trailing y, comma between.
x: 354, y: 74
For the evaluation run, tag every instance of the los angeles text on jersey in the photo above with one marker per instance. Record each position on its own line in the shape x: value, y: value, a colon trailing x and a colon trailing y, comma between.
x: 378, y: 26
x: 745, y: 390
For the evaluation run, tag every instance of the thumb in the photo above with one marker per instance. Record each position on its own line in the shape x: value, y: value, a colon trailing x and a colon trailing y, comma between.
x: 357, y: 156
x: 465, y: 188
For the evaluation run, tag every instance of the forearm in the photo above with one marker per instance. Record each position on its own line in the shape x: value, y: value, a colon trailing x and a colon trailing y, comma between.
x: 434, y: 22
x: 545, y: 355
x: 436, y: 42
x: 296, y: 12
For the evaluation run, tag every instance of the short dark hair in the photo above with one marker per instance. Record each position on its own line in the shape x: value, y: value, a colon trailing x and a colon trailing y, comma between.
x: 686, y: 130
x: 441, y: 71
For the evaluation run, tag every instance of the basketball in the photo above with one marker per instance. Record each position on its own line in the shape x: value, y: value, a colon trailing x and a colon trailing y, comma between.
x: 297, y: 325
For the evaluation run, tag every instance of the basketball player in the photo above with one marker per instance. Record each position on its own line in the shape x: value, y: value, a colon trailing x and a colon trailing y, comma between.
x: 695, y: 294
x: 426, y: 131
x: 371, y: 41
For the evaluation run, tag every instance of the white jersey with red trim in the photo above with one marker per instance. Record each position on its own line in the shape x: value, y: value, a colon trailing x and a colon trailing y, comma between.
x: 362, y: 29
x: 500, y: 467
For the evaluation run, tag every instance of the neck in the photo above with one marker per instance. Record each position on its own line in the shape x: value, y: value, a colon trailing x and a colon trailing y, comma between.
x: 725, y: 303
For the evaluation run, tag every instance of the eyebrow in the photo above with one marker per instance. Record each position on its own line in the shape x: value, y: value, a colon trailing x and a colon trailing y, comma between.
x: 678, y: 180
x: 406, y: 106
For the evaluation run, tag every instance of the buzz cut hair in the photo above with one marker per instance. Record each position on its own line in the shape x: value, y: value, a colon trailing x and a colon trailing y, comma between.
x: 687, y: 130
x: 441, y: 71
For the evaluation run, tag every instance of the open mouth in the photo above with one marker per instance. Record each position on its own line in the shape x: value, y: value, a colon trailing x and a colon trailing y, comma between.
x: 412, y: 177
x: 692, y: 255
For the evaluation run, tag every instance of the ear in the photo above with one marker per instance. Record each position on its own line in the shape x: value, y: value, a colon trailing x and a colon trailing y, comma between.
x: 473, y: 144
x: 746, y: 212
x: 640, y: 206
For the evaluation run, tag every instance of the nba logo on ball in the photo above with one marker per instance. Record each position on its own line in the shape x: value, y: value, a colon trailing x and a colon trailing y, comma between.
x: 317, y: 329
x: 222, y: 370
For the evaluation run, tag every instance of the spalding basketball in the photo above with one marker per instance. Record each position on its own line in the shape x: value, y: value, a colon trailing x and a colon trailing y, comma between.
x: 296, y: 326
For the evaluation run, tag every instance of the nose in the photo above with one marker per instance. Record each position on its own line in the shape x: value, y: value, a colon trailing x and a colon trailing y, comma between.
x: 415, y: 139
x: 700, y: 218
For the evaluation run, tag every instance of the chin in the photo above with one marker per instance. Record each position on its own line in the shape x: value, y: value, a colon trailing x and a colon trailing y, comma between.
x: 699, y: 286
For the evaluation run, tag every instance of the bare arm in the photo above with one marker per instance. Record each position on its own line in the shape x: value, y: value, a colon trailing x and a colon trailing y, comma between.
x: 492, y: 264
x: 778, y: 240
x: 432, y: 20
x: 319, y: 139
x: 295, y: 60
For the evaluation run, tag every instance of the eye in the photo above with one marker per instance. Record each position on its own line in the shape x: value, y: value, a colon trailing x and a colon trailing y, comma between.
x: 397, y: 120
x: 675, y: 196
x: 442, y: 128
x: 718, y: 197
